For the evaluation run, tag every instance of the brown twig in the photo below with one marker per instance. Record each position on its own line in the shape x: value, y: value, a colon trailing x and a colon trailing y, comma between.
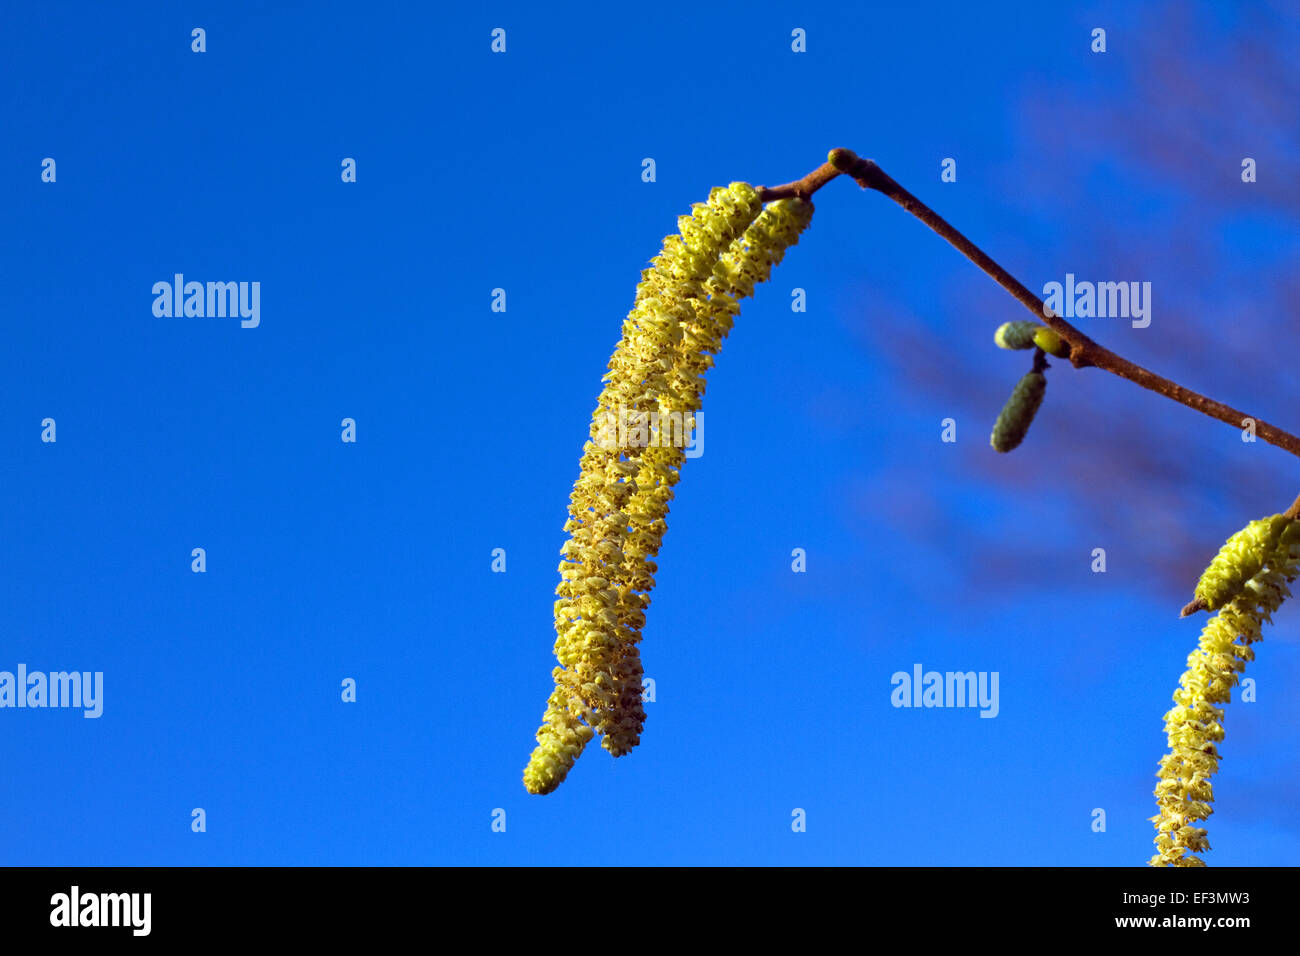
x: 1084, y: 351
x: 802, y: 188
x: 1294, y: 511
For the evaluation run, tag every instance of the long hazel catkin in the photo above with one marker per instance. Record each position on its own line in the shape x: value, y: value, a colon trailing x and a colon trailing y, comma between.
x: 747, y: 261
x: 685, y: 305
x: 1255, y: 568
x: 594, y: 614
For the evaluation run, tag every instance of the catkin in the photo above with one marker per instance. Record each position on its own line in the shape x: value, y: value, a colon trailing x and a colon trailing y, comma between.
x: 1238, y: 561
x: 1016, y: 335
x: 1259, y: 562
x: 747, y: 261
x: 1018, y: 413
x: 685, y: 305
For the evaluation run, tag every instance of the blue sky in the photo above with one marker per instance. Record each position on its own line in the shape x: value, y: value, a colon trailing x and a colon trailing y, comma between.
x: 372, y: 560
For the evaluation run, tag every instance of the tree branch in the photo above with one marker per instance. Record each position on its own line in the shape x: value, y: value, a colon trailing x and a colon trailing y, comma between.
x: 1084, y: 351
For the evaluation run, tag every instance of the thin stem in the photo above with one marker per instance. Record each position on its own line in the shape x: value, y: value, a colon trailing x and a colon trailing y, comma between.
x: 801, y: 188
x: 1083, y: 350
x: 1040, y: 361
x: 1294, y: 511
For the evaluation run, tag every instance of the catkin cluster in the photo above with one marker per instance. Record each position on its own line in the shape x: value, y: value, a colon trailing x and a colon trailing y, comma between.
x: 685, y: 305
x: 1247, y: 581
x: 1018, y: 413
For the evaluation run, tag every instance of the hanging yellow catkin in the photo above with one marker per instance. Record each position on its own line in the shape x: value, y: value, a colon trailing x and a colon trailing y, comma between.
x: 1238, y: 561
x: 593, y: 612
x: 748, y: 261
x: 1258, y: 564
x: 685, y: 305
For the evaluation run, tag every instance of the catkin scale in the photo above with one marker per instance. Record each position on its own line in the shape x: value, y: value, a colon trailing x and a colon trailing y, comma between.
x: 1018, y: 413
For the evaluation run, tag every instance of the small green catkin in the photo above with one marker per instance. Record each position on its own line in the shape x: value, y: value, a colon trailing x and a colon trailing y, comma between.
x: 1019, y: 411
x: 1016, y: 335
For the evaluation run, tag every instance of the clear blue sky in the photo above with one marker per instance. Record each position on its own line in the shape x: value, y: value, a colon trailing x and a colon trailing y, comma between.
x: 522, y: 171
